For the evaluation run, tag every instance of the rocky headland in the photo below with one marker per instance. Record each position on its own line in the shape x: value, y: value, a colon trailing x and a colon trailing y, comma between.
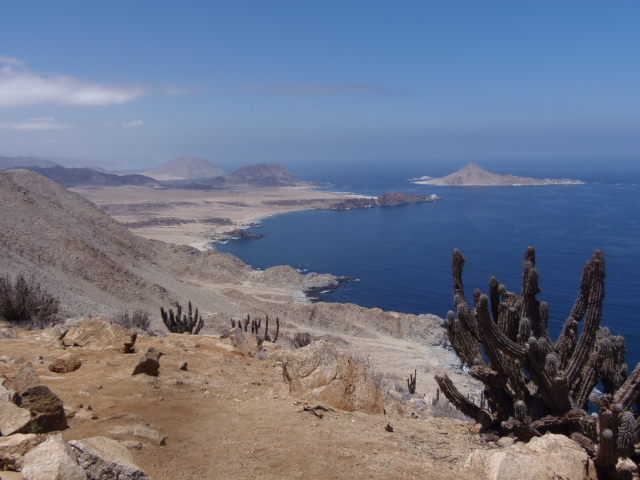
x: 475, y: 175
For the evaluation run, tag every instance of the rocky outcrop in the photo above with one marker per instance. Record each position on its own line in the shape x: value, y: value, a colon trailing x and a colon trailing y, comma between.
x: 103, y: 458
x: 325, y: 373
x: 544, y: 458
x: 394, y: 198
x: 389, y: 199
x: 98, y: 333
x: 52, y: 460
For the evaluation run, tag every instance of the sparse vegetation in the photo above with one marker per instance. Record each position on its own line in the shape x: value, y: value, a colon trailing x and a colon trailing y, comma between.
x: 301, y: 339
x: 26, y: 304
x: 179, y: 323
x: 534, y: 385
x: 138, y: 319
x: 256, y: 323
x: 440, y: 407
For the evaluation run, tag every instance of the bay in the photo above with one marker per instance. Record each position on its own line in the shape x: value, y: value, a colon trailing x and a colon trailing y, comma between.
x: 402, y: 255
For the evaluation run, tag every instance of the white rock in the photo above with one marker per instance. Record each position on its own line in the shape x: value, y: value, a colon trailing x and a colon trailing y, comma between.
x: 52, y: 460
x: 13, y: 419
x: 103, y: 458
x: 549, y: 457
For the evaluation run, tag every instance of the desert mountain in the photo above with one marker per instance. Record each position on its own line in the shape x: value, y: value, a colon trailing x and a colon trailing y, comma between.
x: 19, y: 162
x: 76, y: 177
x: 186, y: 168
x: 264, y: 175
x: 475, y: 175
x: 96, y: 266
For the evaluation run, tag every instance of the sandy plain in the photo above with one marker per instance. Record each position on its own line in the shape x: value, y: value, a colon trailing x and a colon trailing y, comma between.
x: 196, y: 217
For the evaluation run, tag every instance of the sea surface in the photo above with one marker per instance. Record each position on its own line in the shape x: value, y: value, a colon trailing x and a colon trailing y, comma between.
x: 401, y: 256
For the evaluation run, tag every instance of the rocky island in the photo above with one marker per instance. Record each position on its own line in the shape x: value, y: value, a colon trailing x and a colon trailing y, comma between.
x: 477, y: 176
x: 389, y: 199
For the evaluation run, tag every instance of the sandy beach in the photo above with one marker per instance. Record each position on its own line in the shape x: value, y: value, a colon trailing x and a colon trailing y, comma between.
x: 195, y: 217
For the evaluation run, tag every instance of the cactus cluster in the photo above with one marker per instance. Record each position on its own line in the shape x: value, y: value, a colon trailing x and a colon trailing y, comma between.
x: 179, y: 323
x: 255, y: 324
x: 534, y: 385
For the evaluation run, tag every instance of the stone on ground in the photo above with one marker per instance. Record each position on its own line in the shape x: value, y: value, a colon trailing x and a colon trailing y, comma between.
x: 103, y: 458
x: 52, y: 460
x: 65, y: 364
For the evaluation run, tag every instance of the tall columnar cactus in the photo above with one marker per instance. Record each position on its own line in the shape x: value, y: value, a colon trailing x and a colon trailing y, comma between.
x: 179, y: 323
x: 534, y: 385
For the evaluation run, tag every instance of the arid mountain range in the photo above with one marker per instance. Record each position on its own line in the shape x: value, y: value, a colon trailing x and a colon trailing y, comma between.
x: 475, y: 175
x: 186, y: 168
x: 260, y: 175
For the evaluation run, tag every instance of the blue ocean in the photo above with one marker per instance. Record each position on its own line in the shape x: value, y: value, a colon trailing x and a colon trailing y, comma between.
x: 401, y: 256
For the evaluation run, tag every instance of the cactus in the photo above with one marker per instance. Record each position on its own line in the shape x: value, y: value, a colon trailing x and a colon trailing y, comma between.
x: 411, y: 382
x: 534, y: 385
x: 179, y: 323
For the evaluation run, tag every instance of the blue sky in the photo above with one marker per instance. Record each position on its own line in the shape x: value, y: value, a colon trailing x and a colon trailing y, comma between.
x: 238, y: 82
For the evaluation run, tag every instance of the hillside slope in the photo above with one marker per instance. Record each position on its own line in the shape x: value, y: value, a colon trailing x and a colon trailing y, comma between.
x: 264, y: 175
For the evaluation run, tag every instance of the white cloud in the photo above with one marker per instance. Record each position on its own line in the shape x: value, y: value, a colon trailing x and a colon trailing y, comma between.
x: 35, y: 124
x: 20, y: 86
x: 314, y: 89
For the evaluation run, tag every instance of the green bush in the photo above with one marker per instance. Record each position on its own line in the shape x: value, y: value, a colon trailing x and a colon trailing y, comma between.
x: 25, y: 304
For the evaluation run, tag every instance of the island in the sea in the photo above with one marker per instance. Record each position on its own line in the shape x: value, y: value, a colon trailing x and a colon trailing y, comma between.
x: 475, y: 175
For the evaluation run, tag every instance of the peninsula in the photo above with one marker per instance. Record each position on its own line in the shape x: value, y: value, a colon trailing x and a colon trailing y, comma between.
x: 475, y: 175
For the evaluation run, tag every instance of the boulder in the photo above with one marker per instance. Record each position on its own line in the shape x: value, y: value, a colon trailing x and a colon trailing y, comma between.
x: 239, y: 340
x: 103, y: 458
x: 25, y: 378
x: 149, y: 364
x: 52, y: 460
x: 324, y: 372
x: 14, y: 448
x: 65, y: 364
x: 548, y: 457
x: 47, y: 410
x: 53, y: 334
x: 248, y: 343
x: 13, y: 419
x: 7, y: 330
x: 99, y: 333
x: 6, y: 393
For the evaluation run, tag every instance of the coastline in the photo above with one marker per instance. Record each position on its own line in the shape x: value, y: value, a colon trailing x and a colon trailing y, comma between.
x: 198, y: 218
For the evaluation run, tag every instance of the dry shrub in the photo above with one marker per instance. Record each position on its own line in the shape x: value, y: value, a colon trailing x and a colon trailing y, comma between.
x: 26, y: 304
x: 301, y: 339
x: 138, y: 319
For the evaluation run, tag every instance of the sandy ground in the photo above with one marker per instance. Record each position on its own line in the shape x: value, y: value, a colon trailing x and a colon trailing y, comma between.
x: 201, y: 209
x: 231, y: 416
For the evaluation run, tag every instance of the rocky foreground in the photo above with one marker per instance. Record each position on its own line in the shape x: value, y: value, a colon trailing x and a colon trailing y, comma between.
x: 192, y: 407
